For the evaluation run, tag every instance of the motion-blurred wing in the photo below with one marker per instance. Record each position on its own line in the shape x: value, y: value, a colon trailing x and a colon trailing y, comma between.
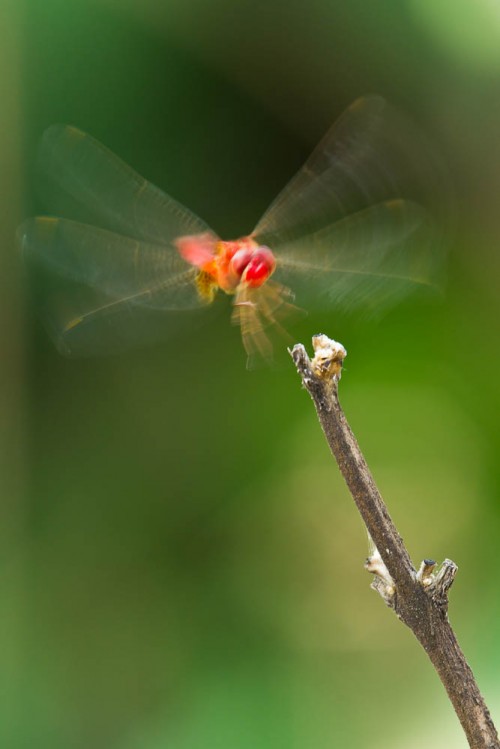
x: 73, y: 165
x: 102, y: 291
x: 83, y: 322
x: 260, y: 313
x: 124, y: 269
x: 370, y: 260
x: 370, y: 155
x: 348, y: 229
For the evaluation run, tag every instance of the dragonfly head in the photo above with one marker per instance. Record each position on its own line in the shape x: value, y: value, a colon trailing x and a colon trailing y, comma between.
x: 241, y: 261
x: 259, y: 267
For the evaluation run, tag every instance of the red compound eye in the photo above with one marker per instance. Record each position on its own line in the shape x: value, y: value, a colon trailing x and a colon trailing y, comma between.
x: 240, y: 261
x: 260, y: 267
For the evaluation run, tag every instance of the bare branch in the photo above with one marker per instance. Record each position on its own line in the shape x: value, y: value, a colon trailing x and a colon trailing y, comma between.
x: 420, y: 599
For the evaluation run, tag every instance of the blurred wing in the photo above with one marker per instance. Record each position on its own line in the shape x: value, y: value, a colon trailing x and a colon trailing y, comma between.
x: 260, y: 313
x: 124, y: 269
x: 83, y: 322
x: 348, y: 229
x: 370, y: 155
x: 104, y: 292
x: 371, y: 259
x: 75, y: 166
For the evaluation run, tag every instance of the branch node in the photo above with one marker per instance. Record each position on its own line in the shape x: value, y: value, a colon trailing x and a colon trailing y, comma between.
x: 387, y: 592
x: 425, y: 572
x: 383, y: 582
x: 442, y: 582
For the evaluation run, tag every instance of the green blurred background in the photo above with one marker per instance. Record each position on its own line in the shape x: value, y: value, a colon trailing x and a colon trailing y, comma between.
x: 181, y: 565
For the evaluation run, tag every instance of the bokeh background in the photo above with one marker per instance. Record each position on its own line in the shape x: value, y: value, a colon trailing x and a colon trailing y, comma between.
x: 181, y: 565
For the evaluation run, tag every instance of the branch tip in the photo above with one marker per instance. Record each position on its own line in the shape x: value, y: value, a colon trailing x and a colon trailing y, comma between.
x: 326, y: 364
x: 300, y: 357
x: 328, y: 358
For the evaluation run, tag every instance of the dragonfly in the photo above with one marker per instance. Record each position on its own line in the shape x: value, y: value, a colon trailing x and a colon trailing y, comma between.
x: 350, y: 230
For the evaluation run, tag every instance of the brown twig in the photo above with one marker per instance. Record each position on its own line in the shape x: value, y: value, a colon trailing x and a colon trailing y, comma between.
x: 419, y: 598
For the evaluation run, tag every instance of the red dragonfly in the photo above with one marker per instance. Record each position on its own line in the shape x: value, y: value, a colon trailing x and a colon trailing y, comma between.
x: 345, y: 230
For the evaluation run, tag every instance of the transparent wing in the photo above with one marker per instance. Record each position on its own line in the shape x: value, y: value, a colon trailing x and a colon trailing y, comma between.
x: 260, y: 313
x: 371, y: 259
x: 124, y: 269
x: 101, y: 292
x: 78, y: 171
x: 370, y: 155
x: 84, y: 322
x: 352, y: 227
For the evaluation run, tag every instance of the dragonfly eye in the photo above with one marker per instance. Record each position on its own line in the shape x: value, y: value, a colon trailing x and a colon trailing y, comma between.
x: 260, y: 267
x: 240, y: 261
